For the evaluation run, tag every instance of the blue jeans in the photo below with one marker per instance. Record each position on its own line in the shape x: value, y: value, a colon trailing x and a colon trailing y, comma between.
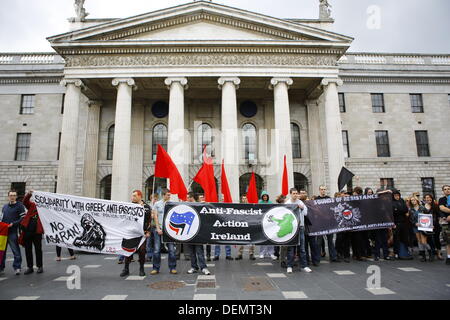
x: 197, y: 253
x: 149, y: 248
x: 381, y: 243
x: 13, y: 242
x: 217, y: 251
x: 331, y: 248
x: 291, y: 250
x: 315, y: 250
x: 172, y: 260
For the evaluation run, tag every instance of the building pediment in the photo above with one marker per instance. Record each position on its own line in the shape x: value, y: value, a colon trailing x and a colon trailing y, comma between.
x: 196, y: 21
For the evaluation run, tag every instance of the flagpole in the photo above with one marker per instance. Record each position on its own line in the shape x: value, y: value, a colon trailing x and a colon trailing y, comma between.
x: 153, y: 190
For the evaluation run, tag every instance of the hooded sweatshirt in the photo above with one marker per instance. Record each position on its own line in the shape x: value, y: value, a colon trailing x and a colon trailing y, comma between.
x: 261, y: 200
x: 400, y: 209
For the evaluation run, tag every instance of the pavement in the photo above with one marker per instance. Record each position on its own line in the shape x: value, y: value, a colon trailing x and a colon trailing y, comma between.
x: 96, y: 277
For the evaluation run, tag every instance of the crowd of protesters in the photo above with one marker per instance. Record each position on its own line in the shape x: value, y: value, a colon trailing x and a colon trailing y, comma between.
x: 398, y: 242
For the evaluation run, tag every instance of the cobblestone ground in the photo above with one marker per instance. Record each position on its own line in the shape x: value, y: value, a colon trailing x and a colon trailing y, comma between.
x: 261, y: 279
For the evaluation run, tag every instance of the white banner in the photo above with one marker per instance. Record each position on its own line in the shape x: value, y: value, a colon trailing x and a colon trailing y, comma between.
x: 92, y: 225
x: 425, y: 222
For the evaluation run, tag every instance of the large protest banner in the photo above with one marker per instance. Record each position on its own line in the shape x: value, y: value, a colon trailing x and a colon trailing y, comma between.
x: 231, y: 223
x: 91, y: 225
x: 352, y: 213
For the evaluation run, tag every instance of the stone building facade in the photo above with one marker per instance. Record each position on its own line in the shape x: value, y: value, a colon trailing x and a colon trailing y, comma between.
x: 86, y: 119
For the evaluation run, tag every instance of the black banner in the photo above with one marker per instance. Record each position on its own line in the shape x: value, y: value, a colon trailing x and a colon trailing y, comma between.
x: 231, y: 223
x: 352, y: 213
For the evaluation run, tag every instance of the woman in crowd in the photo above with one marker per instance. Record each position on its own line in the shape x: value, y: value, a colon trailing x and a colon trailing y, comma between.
x: 415, y: 208
x: 431, y: 207
x: 266, y: 251
x: 401, y: 230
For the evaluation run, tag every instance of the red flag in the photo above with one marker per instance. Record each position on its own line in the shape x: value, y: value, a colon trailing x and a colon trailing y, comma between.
x: 205, y: 178
x: 284, y: 182
x: 225, y: 188
x: 165, y: 168
x: 252, y: 194
x: 4, y: 229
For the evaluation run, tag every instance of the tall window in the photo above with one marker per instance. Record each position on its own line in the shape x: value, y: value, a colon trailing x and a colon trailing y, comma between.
x: 296, y: 146
x: 377, y: 102
x: 160, y: 184
x: 244, y: 181
x: 59, y: 146
x: 342, y: 102
x: 346, y: 144
x: 62, y: 103
x: 22, y: 146
x: 249, y: 141
x: 300, y: 182
x: 382, y: 139
x: 19, y: 187
x: 27, y: 104
x: 159, y: 137
x: 386, y: 183
x: 204, y: 138
x: 428, y: 187
x: 416, y: 103
x: 423, y: 148
x: 105, y: 188
x: 110, y: 149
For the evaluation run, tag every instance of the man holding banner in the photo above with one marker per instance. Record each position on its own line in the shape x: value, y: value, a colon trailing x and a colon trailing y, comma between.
x: 136, y: 197
x: 303, y: 212
x: 12, y: 214
x: 156, y: 234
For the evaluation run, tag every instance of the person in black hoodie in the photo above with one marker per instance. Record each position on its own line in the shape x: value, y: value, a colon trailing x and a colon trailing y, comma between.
x: 401, y: 230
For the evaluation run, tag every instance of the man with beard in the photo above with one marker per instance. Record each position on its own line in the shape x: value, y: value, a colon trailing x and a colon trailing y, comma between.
x: 136, y: 197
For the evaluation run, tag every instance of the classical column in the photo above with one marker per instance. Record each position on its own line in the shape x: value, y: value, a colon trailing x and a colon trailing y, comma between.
x: 120, y: 189
x: 177, y: 139
x: 315, y: 146
x: 91, y: 154
x: 333, y: 128
x: 69, y: 137
x: 281, y: 141
x: 137, y: 145
x: 230, y: 152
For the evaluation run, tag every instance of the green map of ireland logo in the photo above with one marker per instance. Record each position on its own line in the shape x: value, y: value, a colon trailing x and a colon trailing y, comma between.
x: 280, y: 225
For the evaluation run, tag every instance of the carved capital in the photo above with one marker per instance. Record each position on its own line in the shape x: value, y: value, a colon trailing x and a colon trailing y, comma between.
x: 327, y: 81
x: 76, y: 82
x: 129, y: 81
x: 275, y: 81
x: 183, y: 81
x: 235, y: 80
x: 98, y: 103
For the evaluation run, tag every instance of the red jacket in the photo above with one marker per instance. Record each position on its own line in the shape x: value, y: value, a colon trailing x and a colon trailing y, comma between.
x: 32, y: 211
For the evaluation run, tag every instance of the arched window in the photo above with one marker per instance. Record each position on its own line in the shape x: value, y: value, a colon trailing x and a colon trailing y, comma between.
x: 300, y: 182
x: 244, y: 180
x: 296, y: 146
x: 110, y: 150
x: 249, y: 141
x: 197, y: 188
x: 105, y: 188
x: 159, y: 137
x: 204, y: 138
x: 160, y: 184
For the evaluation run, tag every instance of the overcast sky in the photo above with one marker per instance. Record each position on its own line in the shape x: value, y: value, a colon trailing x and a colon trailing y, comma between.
x: 403, y: 26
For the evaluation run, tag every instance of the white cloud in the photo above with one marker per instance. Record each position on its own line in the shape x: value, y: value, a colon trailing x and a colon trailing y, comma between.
x: 406, y: 26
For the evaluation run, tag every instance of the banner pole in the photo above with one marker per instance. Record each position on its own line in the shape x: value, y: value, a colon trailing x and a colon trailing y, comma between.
x: 153, y: 190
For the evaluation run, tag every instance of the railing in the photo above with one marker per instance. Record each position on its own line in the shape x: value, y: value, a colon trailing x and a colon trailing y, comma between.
x: 400, y: 59
x: 30, y: 58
